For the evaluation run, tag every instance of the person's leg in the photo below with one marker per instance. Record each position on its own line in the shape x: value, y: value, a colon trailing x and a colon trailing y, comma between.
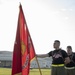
x: 69, y: 72
x: 53, y: 71
x: 72, y: 72
x: 66, y: 72
x: 61, y: 71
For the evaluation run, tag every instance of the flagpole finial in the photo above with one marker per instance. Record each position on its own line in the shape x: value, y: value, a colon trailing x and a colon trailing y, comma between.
x: 20, y: 6
x: 20, y: 3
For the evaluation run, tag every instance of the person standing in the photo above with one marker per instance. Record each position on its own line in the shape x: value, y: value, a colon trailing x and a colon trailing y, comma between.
x: 70, y: 67
x: 59, y: 57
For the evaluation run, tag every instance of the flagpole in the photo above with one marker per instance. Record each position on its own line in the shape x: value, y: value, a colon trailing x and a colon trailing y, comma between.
x: 38, y: 65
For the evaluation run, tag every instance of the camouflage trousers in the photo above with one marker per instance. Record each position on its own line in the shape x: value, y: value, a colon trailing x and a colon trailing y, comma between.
x: 70, y: 71
x: 58, y: 70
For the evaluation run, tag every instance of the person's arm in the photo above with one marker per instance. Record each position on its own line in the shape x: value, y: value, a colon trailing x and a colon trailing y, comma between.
x: 42, y: 55
x: 67, y: 60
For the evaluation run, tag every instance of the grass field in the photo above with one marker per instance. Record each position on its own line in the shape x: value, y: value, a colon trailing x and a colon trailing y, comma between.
x: 7, y: 71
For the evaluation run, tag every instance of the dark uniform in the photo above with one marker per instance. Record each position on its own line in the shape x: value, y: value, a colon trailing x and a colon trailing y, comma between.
x: 58, y: 57
x: 70, y: 67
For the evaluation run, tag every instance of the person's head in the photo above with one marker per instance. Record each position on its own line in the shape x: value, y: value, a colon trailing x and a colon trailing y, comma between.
x: 69, y: 50
x: 56, y: 44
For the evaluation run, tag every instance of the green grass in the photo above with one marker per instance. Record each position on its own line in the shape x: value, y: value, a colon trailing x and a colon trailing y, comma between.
x: 36, y: 72
x: 7, y: 71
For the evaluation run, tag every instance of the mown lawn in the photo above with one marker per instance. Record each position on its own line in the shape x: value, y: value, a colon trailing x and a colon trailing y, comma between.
x: 36, y: 72
x: 7, y: 71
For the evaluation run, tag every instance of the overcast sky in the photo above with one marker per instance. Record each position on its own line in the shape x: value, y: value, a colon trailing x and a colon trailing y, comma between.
x: 47, y: 20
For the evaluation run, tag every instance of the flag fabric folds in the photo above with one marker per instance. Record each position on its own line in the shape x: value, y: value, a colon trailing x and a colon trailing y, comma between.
x: 23, y: 48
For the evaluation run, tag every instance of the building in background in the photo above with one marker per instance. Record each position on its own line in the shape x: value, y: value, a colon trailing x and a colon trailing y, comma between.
x: 6, y: 61
x: 43, y: 62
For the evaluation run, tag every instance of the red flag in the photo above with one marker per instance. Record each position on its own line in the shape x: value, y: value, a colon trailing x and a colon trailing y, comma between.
x: 23, y: 48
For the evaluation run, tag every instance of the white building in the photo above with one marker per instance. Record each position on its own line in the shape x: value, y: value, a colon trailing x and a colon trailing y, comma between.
x: 6, y: 61
x: 43, y: 62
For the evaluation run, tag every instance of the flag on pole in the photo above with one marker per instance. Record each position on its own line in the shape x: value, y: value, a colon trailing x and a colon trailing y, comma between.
x: 23, y: 48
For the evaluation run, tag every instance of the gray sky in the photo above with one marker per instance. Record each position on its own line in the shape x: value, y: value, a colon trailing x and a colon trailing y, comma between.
x: 47, y: 21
